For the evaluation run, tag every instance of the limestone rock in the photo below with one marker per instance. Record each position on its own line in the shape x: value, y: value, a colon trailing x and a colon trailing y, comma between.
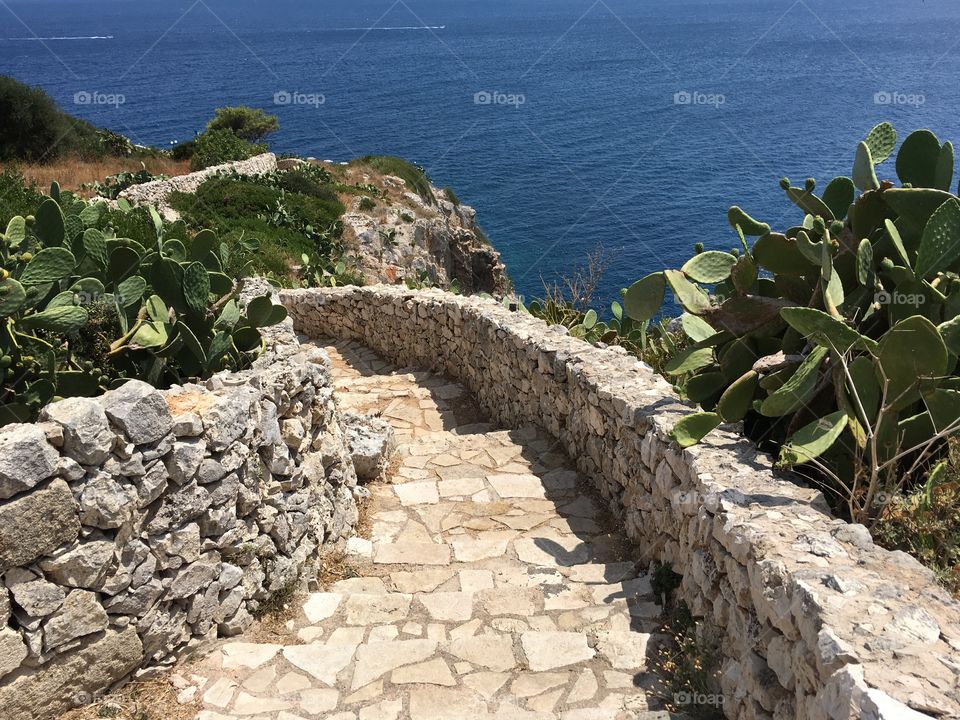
x: 87, y: 437
x: 104, y: 503
x: 12, y: 651
x: 371, y: 442
x: 36, y: 596
x: 26, y: 458
x: 140, y: 410
x: 37, y: 524
x: 80, y: 615
x: 70, y: 679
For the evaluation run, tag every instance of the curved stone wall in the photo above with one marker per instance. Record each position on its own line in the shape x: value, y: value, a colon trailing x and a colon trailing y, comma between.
x: 819, y: 622
x: 136, y: 523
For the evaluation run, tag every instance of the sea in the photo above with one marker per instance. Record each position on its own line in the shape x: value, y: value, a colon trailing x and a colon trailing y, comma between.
x: 625, y: 127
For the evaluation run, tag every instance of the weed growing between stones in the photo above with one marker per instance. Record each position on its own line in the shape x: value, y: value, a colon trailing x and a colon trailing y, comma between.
x: 154, y: 699
x: 689, y: 662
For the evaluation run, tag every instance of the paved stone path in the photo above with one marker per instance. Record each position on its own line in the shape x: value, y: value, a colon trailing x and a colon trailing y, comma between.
x: 489, y: 586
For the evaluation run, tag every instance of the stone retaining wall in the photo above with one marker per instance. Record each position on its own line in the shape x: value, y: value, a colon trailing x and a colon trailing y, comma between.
x: 140, y: 522
x: 818, y: 621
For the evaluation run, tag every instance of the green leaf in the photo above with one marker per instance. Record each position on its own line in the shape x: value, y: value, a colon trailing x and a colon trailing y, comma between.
x: 49, y: 225
x: 704, y: 386
x: 918, y: 158
x: 839, y: 196
x: 798, y: 390
x: 780, y: 254
x: 644, y: 298
x: 826, y: 330
x: 940, y: 245
x: 148, y: 335
x: 12, y: 297
x: 865, y: 262
x: 744, y: 274
x: 945, y: 166
x: 695, y: 328
x: 737, y: 399
x: 864, y: 174
x: 688, y: 295
x: 247, y: 339
x: 589, y: 320
x: 196, y: 288
x: 130, y: 291
x: 882, y: 140
x: 229, y: 316
x: 693, y: 428
x: 95, y: 245
x: 64, y: 319
x: 259, y: 310
x: 203, y: 243
x: 16, y: 230
x: 748, y: 226
x: 91, y: 214
x: 711, y: 266
x: 910, y: 350
x: 689, y: 360
x: 48, y: 265
x: 897, y: 242
x: 811, y: 441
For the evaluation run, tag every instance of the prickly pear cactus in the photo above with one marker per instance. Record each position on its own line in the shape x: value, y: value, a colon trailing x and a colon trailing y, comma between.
x: 82, y: 309
x: 834, y: 341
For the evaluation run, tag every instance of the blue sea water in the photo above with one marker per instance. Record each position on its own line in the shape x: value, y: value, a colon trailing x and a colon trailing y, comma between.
x: 623, y: 124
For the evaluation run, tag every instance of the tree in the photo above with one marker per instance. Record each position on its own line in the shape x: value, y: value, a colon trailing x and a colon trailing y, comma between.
x: 247, y: 123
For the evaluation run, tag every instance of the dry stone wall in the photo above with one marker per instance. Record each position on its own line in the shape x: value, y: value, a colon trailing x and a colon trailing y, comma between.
x: 817, y: 621
x: 140, y: 522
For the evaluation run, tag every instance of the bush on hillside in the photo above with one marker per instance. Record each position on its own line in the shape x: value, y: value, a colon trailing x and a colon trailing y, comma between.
x: 413, y: 175
x: 286, y: 224
x: 34, y: 129
x: 216, y: 147
x: 251, y: 124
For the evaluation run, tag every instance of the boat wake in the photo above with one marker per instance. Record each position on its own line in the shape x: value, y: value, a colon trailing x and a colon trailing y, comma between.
x: 48, y: 39
x: 402, y: 27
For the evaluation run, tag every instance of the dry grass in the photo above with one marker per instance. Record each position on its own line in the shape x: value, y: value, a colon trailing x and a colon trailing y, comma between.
x: 74, y: 173
x: 154, y: 699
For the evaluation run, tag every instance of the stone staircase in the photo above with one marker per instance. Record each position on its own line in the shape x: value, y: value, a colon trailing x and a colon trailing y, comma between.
x: 491, y: 585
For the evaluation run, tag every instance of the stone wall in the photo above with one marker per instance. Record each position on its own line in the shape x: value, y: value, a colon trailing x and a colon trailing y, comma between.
x: 156, y: 192
x: 140, y: 522
x: 818, y: 621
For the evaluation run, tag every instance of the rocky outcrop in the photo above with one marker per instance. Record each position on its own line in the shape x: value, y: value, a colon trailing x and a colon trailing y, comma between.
x: 139, y: 522
x: 817, y: 621
x: 406, y: 235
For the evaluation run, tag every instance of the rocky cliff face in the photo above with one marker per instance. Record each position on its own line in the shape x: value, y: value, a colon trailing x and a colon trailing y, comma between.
x: 404, y: 235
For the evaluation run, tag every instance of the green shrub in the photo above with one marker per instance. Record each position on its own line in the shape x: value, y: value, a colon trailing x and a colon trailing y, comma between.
x: 287, y: 225
x: 33, y: 128
x: 251, y: 124
x: 113, y: 185
x: 367, y: 204
x: 216, y: 147
x: 451, y: 196
x: 17, y: 196
x: 413, y: 175
x: 184, y: 151
x: 82, y: 310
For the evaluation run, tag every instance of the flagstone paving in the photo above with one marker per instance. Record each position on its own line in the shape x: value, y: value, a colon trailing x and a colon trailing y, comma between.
x: 490, y: 586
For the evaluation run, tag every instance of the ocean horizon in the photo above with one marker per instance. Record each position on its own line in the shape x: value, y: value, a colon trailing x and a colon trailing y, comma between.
x: 570, y: 125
